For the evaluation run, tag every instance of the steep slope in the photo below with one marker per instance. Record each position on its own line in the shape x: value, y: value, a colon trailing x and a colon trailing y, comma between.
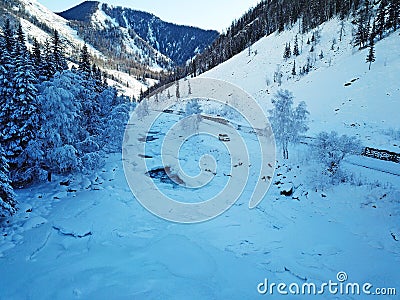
x: 179, y: 43
x: 340, y: 91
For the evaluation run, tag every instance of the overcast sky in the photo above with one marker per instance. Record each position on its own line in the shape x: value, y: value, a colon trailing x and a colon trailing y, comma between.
x: 207, y: 14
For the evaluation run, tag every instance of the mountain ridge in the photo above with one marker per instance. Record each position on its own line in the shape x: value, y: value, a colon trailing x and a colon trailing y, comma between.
x: 131, y: 61
x: 178, y: 42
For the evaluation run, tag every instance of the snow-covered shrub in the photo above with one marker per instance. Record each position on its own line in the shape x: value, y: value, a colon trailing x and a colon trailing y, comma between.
x: 64, y: 159
x: 30, y: 164
x: 193, y: 108
x: 229, y: 112
x: 88, y: 145
x: 330, y: 149
x: 92, y: 161
x: 114, y: 127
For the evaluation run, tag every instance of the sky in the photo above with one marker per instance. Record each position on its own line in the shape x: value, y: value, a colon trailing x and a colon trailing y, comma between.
x: 206, y: 14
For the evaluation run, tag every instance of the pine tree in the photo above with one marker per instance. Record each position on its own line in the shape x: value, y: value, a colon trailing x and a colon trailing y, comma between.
x: 36, y: 57
x: 141, y: 95
x: 363, y: 21
x: 22, y: 124
x: 359, y: 37
x: 84, y: 62
x: 381, y: 19
x: 294, y: 68
x: 288, y: 52
x: 296, y: 47
x: 394, y: 15
x: 280, y: 19
x: 60, y: 63
x: 7, y: 196
x: 47, y: 67
x: 6, y: 77
x: 8, y: 35
x: 98, y: 81
x: 371, y: 52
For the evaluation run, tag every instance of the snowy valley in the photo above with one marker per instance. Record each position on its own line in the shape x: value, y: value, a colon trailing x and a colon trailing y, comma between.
x: 85, y: 235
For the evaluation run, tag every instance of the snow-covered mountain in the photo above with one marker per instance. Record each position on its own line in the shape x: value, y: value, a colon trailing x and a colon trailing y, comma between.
x: 340, y: 91
x: 97, y: 20
x: 132, y: 61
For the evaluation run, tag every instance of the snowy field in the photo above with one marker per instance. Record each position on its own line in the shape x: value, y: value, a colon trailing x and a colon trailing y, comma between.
x: 91, y: 239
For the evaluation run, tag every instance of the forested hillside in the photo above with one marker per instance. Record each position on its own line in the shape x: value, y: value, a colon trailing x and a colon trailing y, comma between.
x: 271, y: 16
x: 53, y: 120
x: 176, y: 42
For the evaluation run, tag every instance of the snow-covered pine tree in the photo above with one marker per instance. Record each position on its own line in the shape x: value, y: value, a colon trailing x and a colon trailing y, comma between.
x: 362, y: 20
x: 294, y: 68
x: 7, y: 196
x: 114, y: 115
x: 8, y: 35
x: 97, y: 77
x: 392, y: 21
x: 6, y: 76
x: 296, y: 51
x: 84, y: 62
x: 59, y: 60
x: 22, y: 124
x: 380, y: 19
x: 36, y: 58
x: 47, y: 68
x: 89, y: 96
x: 288, y: 52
